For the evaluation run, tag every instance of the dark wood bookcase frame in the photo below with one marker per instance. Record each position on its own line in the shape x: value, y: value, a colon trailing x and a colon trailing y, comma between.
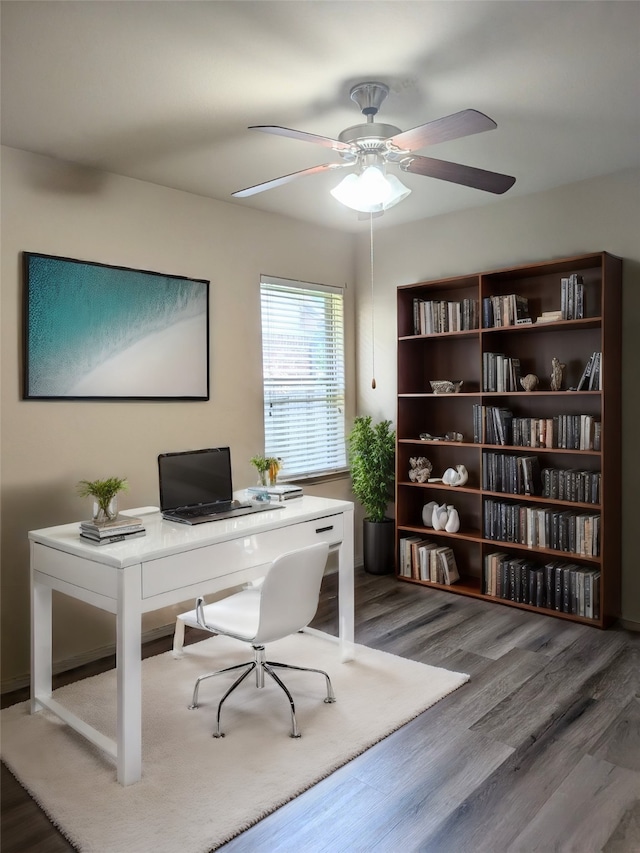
x: 459, y: 356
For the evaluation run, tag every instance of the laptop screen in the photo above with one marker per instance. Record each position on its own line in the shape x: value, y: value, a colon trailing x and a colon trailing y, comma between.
x: 195, y: 477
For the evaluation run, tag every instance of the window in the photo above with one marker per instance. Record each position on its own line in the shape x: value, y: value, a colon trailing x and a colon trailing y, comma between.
x: 303, y: 375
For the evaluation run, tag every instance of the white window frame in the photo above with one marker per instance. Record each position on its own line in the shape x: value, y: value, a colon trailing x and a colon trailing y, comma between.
x: 306, y: 396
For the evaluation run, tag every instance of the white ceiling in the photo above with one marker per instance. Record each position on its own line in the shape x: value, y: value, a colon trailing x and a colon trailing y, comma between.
x: 165, y: 91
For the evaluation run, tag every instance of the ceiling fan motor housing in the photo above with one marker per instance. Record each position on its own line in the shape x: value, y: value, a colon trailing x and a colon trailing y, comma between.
x: 370, y: 135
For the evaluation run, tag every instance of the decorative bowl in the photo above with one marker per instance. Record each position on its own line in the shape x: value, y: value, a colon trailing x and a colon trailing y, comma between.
x: 446, y: 386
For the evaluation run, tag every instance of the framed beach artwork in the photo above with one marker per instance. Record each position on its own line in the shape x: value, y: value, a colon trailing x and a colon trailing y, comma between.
x: 94, y: 331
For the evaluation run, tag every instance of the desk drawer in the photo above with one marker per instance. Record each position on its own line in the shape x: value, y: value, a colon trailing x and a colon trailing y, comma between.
x: 232, y: 562
x: 78, y: 571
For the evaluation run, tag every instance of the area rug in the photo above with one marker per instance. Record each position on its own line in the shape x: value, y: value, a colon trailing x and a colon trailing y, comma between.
x: 197, y: 792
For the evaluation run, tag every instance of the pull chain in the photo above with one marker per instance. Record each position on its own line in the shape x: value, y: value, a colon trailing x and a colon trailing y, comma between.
x: 373, y: 326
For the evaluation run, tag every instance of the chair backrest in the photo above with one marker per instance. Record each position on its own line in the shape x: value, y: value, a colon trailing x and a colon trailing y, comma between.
x: 290, y: 592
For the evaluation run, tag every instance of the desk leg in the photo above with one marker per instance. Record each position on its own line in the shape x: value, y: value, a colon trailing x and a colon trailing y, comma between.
x: 41, y: 638
x: 346, y: 597
x: 129, y: 675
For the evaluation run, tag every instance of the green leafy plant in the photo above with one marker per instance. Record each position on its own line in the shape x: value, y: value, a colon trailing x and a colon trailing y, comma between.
x: 102, y: 490
x: 266, y: 465
x: 372, y: 462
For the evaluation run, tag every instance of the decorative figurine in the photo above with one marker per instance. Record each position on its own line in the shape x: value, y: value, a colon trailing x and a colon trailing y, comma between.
x: 427, y: 513
x: 529, y: 382
x: 446, y: 386
x: 453, y: 520
x: 557, y: 368
x: 439, y: 517
x: 420, y: 469
x: 457, y: 476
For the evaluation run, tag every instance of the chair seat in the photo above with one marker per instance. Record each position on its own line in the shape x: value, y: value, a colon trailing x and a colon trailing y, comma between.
x: 236, y: 616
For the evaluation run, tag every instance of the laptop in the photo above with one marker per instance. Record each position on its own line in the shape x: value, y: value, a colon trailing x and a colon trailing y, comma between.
x: 196, y: 487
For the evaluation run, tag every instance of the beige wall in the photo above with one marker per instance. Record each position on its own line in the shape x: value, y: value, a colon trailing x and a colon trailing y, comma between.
x: 601, y: 214
x: 48, y: 446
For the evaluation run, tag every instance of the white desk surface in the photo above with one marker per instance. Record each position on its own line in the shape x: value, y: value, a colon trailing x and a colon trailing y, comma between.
x: 164, y: 538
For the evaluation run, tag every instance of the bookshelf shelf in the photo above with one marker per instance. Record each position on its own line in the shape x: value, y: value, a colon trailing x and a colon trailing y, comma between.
x: 572, y: 586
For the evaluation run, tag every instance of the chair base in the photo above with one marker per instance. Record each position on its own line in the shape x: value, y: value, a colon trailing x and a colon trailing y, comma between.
x: 261, y: 665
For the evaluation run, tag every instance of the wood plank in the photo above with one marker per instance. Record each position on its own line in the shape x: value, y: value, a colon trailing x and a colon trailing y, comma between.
x: 587, y: 808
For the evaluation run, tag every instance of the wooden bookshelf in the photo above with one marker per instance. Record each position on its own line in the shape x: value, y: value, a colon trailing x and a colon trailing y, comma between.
x: 459, y: 354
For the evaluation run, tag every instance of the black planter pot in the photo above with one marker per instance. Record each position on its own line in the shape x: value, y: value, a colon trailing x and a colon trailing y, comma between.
x: 377, y: 541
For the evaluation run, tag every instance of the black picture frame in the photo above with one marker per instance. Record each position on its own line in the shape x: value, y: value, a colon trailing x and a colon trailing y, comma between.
x: 95, y: 331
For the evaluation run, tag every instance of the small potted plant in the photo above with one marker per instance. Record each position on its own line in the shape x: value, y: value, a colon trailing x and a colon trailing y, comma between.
x: 104, y: 493
x: 372, y: 465
x: 268, y: 468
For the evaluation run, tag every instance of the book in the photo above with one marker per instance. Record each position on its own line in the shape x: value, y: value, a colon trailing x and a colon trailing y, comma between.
x: 448, y: 564
x: 583, y: 384
x: 549, y: 317
x: 119, y: 525
x: 110, y: 540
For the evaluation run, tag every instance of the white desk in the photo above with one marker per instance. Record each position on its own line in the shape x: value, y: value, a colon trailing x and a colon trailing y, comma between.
x: 171, y: 564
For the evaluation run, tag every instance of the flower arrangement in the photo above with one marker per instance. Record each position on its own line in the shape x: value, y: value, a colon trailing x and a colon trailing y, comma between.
x: 267, y: 468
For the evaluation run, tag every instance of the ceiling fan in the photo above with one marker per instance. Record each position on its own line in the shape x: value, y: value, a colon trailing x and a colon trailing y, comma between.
x: 371, y: 147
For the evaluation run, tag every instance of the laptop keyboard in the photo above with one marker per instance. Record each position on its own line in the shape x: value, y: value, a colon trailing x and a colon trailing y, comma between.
x: 211, y: 509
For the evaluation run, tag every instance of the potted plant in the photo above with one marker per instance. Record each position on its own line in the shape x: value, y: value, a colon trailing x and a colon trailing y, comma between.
x: 104, y: 494
x: 268, y: 468
x: 372, y: 463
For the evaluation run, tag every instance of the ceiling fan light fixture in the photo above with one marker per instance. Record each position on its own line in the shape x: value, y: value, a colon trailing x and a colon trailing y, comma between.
x: 370, y: 191
x: 398, y: 191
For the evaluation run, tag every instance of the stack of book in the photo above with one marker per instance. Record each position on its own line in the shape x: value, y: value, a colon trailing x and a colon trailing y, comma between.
x: 278, y: 492
x: 121, y: 529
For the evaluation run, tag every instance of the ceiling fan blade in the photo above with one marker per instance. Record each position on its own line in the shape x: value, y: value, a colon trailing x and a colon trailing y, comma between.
x: 456, y: 173
x: 325, y: 141
x: 464, y: 123
x: 285, y: 179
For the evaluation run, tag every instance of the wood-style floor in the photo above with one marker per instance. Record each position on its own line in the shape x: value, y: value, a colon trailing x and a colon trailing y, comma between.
x: 540, y: 751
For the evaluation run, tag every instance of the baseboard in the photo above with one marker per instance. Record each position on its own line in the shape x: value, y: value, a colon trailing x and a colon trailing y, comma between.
x: 629, y: 625
x: 21, y: 681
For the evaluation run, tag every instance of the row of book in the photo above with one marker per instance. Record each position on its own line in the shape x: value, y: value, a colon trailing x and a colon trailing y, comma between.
x: 568, y: 484
x: 591, y: 379
x: 504, y: 310
x: 492, y: 424
x: 565, y: 587
x: 572, y: 297
x: 506, y: 472
x: 120, y: 529
x: 422, y: 559
x: 500, y: 373
x: 498, y: 425
x: 543, y: 527
x: 432, y: 317
x: 570, y: 432
x: 521, y: 475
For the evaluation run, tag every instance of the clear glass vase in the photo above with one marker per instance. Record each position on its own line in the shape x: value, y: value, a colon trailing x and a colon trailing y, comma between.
x: 102, y: 513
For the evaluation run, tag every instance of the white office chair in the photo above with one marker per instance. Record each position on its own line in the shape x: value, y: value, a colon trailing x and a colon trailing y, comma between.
x: 190, y: 619
x: 282, y: 605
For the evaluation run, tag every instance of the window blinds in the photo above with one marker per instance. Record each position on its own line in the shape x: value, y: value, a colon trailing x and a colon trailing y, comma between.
x: 303, y: 375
